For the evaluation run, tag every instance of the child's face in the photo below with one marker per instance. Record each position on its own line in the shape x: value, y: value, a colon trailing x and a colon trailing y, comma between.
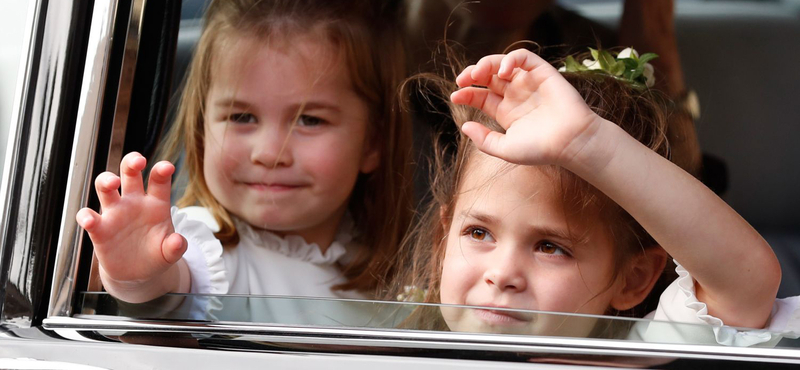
x: 509, y: 246
x: 262, y: 166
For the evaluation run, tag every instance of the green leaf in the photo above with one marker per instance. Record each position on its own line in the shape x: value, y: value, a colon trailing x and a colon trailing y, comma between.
x: 607, y: 61
x: 638, y: 72
x: 618, y: 68
x: 572, y: 65
x: 595, y: 54
x: 647, y: 57
x: 630, y: 63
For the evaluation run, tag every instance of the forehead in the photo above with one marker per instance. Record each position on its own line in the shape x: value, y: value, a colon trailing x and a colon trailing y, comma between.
x: 290, y: 64
x: 490, y: 182
x: 523, y: 196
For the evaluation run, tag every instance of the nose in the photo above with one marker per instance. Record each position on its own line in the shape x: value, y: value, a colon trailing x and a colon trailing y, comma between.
x: 506, y: 272
x: 272, y: 146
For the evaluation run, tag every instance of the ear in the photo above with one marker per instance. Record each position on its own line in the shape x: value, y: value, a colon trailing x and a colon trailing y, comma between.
x: 639, y: 277
x: 370, y: 160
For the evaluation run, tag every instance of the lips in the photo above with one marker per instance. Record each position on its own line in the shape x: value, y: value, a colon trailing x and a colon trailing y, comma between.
x: 273, y: 186
x: 503, y: 315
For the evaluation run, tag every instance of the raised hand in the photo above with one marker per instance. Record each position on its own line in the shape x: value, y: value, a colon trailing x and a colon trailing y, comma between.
x: 545, y: 118
x: 133, y: 238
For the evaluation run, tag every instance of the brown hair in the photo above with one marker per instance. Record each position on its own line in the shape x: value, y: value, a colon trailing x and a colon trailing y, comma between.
x: 365, y: 34
x: 642, y: 113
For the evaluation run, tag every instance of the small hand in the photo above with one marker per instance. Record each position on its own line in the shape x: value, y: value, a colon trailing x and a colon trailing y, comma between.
x: 133, y: 238
x: 545, y: 118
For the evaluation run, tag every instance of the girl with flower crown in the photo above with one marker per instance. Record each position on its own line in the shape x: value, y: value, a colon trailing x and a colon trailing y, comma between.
x: 563, y: 198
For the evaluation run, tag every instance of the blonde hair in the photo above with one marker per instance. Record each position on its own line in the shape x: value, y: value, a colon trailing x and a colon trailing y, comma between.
x: 644, y: 114
x: 365, y: 34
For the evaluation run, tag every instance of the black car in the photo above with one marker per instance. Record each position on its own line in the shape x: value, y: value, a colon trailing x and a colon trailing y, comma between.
x: 95, y: 80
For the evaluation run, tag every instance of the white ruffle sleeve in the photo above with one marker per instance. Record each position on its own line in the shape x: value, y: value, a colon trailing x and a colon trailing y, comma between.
x: 679, y: 304
x: 204, y: 254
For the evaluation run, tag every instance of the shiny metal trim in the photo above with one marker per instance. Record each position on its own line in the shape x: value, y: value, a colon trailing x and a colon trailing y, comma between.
x: 122, y: 109
x: 364, y: 339
x: 20, y: 99
x: 83, y: 150
x: 129, y: 58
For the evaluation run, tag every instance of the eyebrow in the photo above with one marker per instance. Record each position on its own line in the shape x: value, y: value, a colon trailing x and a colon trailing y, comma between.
x: 317, y: 105
x: 540, y: 230
x: 233, y: 103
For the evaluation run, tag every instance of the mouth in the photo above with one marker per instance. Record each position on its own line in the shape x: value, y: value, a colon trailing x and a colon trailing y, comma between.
x: 273, y: 187
x: 503, y: 316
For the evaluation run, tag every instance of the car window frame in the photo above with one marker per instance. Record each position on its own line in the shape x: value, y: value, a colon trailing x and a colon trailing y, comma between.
x: 66, y: 283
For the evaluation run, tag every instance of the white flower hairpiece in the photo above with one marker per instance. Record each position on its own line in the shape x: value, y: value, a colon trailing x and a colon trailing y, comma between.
x: 627, y: 65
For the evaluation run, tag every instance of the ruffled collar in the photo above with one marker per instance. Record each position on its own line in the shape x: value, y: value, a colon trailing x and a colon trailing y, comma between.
x: 295, y: 247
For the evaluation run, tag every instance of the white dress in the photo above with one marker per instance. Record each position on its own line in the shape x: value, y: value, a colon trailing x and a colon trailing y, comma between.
x: 265, y: 264
x: 679, y: 304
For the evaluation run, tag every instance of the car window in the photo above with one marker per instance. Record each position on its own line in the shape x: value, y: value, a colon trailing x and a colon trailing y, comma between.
x: 731, y: 102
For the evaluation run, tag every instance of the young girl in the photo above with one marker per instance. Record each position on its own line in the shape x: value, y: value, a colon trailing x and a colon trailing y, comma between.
x: 562, y: 199
x: 296, y: 158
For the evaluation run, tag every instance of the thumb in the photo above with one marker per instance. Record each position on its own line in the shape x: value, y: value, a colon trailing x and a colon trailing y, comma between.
x: 486, y: 140
x: 173, y: 248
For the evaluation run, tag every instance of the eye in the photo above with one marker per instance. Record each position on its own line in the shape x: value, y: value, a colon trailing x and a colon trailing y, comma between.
x: 479, y: 234
x: 548, y: 247
x: 309, y: 121
x: 242, y: 118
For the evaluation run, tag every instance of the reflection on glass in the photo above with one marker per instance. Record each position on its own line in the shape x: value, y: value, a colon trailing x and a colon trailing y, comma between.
x: 321, y: 312
x: 12, y: 25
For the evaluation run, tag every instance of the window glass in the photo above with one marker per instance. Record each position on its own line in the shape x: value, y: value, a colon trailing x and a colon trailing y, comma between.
x: 298, y: 311
x: 735, y: 92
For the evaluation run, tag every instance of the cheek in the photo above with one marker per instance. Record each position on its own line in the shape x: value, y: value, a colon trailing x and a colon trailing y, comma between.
x: 571, y: 290
x: 457, y: 276
x: 336, y: 161
x: 220, y: 157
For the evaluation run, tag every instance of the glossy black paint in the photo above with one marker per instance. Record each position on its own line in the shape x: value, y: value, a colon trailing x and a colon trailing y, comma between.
x: 40, y: 171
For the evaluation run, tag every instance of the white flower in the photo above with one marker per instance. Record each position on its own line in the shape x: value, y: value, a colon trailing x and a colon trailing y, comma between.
x: 626, y: 53
x: 649, y: 78
x: 591, y: 64
x: 562, y: 69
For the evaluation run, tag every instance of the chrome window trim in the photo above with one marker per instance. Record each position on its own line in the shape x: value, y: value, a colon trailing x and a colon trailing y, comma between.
x: 24, y: 76
x: 123, y: 102
x: 83, y: 150
x: 364, y: 339
x: 85, y: 140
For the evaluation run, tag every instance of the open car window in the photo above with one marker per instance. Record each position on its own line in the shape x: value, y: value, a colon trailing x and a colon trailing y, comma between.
x: 747, y: 121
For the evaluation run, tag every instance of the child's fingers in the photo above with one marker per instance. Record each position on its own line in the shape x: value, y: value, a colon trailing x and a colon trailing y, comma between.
x: 161, y: 180
x: 497, y: 85
x: 523, y: 59
x: 486, y: 140
x: 107, y: 186
x: 464, y: 78
x: 130, y: 171
x: 173, y: 248
x: 87, y: 219
x: 485, y: 68
x: 477, y: 97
